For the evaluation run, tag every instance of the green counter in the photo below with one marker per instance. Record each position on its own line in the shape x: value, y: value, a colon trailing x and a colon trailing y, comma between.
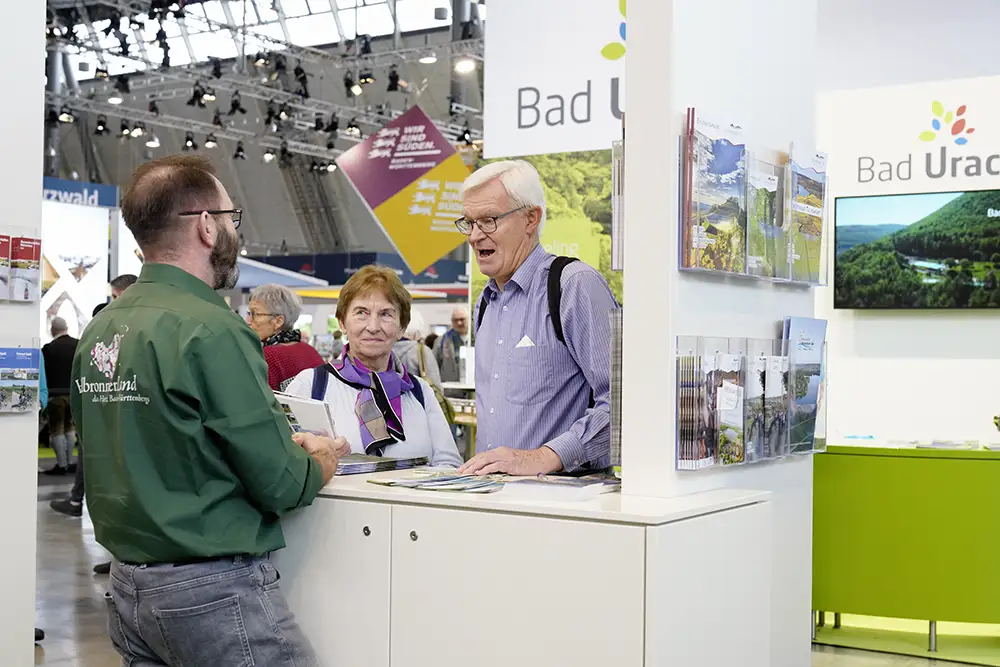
x: 907, y: 533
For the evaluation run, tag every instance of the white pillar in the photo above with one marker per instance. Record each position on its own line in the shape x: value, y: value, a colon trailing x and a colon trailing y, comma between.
x: 21, y: 143
x: 752, y: 63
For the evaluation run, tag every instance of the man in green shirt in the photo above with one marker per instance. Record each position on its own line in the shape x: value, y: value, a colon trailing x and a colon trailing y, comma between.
x: 189, y: 460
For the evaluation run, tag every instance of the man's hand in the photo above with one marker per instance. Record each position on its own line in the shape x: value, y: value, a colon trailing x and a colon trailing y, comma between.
x: 325, y: 451
x: 539, y: 461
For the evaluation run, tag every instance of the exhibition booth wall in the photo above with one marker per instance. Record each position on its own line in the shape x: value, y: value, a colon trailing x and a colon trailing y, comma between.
x: 21, y: 140
x: 899, y: 372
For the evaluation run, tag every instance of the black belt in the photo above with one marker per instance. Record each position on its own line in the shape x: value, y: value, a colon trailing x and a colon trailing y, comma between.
x: 193, y: 561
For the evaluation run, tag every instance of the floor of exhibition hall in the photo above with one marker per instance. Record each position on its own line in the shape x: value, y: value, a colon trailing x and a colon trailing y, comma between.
x: 70, y: 607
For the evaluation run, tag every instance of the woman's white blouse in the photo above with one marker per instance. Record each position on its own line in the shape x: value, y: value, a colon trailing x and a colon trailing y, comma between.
x: 427, y: 431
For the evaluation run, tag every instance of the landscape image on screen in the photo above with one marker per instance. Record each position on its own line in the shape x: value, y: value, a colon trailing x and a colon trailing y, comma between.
x: 939, y: 250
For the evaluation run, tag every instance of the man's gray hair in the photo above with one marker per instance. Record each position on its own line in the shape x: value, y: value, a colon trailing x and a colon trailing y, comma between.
x: 279, y: 300
x: 58, y: 326
x: 520, y: 180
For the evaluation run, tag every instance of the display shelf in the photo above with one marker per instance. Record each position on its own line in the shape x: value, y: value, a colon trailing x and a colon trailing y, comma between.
x: 747, y: 276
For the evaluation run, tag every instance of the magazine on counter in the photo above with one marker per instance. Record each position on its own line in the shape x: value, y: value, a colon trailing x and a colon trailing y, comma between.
x: 807, y: 203
x: 358, y: 464
x: 713, y: 233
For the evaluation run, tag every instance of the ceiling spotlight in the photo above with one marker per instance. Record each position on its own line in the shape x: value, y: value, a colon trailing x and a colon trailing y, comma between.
x: 393, y: 80
x: 101, y: 72
x: 353, y: 129
x: 236, y: 104
x: 153, y: 141
x: 65, y: 115
x: 208, y: 95
x: 350, y: 86
x: 260, y: 60
x: 216, y: 68
x: 52, y: 118
x: 329, y: 144
x: 272, y: 113
x: 211, y: 141
x: 122, y: 85
x: 332, y: 167
x: 467, y: 135
x: 269, y: 156
x: 314, y: 166
x: 154, y: 108
x: 102, y: 126
x: 333, y: 125
x: 240, y: 153
x: 217, y: 119
x: 465, y: 65
x: 428, y: 59
x: 197, y: 96
x: 285, y: 156
x: 125, y: 131
x: 366, y: 77
x: 138, y: 129
x: 284, y: 112
x: 319, y: 124
x: 366, y: 45
x: 115, y: 98
x: 189, y: 144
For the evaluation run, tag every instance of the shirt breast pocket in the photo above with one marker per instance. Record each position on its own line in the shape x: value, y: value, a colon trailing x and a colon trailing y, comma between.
x: 531, y: 375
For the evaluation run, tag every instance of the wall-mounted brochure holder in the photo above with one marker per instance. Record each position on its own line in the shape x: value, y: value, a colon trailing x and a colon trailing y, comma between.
x: 20, y: 378
x: 754, y: 214
x: 746, y: 400
x: 615, y: 316
x: 617, y: 205
x: 20, y: 264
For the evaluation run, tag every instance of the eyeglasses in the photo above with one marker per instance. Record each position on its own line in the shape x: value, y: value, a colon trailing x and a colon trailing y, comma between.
x: 237, y: 214
x: 252, y: 315
x: 486, y: 225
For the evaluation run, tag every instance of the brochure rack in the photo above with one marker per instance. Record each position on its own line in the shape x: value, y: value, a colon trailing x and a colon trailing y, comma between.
x: 746, y: 400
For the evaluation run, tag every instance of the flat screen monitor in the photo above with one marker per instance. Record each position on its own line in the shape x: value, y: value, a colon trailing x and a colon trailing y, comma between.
x: 932, y: 250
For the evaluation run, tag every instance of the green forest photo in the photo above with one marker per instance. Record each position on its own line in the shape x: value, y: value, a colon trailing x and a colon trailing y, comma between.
x: 938, y: 250
x: 578, y: 212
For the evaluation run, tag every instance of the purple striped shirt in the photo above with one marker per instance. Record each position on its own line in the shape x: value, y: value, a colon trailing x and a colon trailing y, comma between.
x: 531, y: 390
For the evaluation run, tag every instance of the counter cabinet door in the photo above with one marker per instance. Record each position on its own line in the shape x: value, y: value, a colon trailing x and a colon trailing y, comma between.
x: 335, y: 575
x: 514, y: 590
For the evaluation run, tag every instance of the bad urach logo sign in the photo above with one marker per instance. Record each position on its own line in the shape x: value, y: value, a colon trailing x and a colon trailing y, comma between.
x: 947, y: 127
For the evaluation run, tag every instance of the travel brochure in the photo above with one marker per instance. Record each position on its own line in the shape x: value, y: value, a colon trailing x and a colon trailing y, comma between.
x: 4, y: 267
x: 547, y: 487
x: 747, y: 400
x: 25, y: 268
x: 757, y: 213
x: 20, y: 368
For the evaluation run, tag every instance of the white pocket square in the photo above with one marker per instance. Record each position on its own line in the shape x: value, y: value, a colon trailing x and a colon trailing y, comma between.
x: 524, y: 342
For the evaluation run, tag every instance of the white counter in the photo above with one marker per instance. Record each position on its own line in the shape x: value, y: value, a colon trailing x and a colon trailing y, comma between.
x: 381, y: 576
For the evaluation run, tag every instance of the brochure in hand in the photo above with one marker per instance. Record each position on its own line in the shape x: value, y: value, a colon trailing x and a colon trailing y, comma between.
x: 356, y: 464
x: 306, y: 414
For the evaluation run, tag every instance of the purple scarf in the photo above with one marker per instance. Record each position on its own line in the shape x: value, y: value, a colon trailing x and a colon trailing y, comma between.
x: 379, y: 403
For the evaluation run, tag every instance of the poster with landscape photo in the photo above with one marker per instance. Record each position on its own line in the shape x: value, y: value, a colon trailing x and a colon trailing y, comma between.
x: 934, y: 250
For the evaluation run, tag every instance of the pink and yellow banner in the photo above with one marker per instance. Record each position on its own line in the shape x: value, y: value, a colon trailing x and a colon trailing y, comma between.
x: 410, y: 177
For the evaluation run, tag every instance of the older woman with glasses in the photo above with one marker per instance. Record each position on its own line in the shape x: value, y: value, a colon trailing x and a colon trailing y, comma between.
x: 380, y: 406
x: 274, y: 309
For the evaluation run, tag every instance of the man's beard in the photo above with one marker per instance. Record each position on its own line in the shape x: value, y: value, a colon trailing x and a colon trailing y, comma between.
x: 225, y: 270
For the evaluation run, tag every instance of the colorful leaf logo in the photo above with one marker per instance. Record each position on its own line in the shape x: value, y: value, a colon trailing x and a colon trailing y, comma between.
x: 942, y: 121
x: 615, y: 50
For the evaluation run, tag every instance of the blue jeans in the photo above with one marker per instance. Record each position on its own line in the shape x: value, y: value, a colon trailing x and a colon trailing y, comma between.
x: 221, y: 613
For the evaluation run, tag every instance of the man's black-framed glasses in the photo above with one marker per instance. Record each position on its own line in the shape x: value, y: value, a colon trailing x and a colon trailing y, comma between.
x: 237, y: 214
x: 486, y: 225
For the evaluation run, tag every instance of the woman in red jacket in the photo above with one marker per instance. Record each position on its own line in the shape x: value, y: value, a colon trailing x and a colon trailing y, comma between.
x: 274, y: 309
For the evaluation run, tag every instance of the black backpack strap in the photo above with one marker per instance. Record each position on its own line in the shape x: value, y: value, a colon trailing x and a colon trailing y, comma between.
x: 418, y: 392
x: 483, y: 302
x: 321, y: 376
x: 555, y: 301
x: 555, y: 293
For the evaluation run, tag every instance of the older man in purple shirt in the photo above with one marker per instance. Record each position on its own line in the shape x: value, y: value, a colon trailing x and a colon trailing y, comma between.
x: 542, y: 405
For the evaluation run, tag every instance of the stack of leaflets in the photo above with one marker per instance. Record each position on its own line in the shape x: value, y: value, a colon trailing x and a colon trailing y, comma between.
x: 806, y: 337
x: 561, y: 487
x: 446, y: 481
x: 807, y: 188
x: 713, y: 231
x: 357, y: 464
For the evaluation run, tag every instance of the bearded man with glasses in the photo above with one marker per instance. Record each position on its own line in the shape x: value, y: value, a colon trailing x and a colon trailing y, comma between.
x: 189, y: 459
x: 543, y: 336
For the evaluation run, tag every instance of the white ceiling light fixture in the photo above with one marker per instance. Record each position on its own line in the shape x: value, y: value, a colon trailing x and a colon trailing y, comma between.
x: 428, y: 59
x: 153, y: 141
x: 465, y: 65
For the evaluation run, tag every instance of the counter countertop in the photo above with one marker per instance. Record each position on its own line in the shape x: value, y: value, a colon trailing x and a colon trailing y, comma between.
x: 913, y: 452
x: 610, y: 507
